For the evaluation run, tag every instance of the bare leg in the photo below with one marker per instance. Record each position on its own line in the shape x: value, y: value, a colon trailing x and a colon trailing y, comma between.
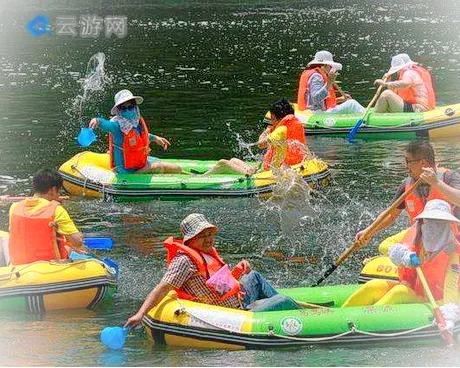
x: 389, y: 102
x: 161, y: 168
x: 233, y: 165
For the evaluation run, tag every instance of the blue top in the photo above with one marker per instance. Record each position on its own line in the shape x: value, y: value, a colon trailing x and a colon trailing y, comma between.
x: 316, y: 93
x: 114, y: 128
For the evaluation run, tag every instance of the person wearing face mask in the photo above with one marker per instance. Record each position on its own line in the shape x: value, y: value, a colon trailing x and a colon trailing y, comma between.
x: 317, y: 88
x: 437, y: 183
x: 129, y: 138
x: 432, y: 243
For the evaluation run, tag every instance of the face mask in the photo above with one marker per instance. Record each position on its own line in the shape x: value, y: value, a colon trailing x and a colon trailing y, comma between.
x: 436, y: 235
x: 129, y: 114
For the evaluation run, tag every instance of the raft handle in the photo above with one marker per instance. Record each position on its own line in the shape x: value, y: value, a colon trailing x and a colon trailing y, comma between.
x: 179, y: 311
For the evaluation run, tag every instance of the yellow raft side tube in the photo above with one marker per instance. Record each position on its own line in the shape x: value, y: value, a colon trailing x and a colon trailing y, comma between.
x: 171, y: 311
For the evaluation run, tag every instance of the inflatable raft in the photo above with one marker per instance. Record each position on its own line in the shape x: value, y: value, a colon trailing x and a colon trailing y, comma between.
x: 442, y: 122
x: 89, y: 174
x: 183, y: 323
x: 46, y: 286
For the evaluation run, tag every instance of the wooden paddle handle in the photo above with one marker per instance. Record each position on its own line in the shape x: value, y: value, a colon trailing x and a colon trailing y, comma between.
x: 436, y: 311
x: 374, y: 99
x: 338, y: 88
x: 395, y: 204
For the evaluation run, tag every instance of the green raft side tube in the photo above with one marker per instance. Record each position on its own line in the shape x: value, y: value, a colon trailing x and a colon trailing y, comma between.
x: 340, y: 121
x: 227, y: 181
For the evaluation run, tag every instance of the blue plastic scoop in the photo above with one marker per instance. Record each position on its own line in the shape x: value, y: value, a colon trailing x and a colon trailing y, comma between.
x: 114, y: 337
x: 86, y: 137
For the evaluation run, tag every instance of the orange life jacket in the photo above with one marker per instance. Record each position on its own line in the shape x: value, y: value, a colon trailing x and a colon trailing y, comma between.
x: 295, y: 132
x: 434, y: 270
x: 207, y: 264
x: 414, y: 204
x: 33, y: 236
x: 135, y: 148
x: 331, y: 99
x: 408, y: 94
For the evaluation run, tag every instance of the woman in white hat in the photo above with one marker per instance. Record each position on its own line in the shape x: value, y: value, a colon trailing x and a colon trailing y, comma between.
x: 431, y: 243
x: 412, y: 91
x: 129, y: 138
x: 317, y: 91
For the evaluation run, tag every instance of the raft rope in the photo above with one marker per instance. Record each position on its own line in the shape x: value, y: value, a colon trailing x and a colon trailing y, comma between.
x: 410, y: 122
x: 353, y: 330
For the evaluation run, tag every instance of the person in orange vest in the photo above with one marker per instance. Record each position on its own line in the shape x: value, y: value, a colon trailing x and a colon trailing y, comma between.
x: 316, y: 88
x: 40, y: 228
x: 432, y: 243
x: 412, y: 91
x: 438, y: 183
x: 129, y: 138
x: 284, y: 140
x: 193, y: 264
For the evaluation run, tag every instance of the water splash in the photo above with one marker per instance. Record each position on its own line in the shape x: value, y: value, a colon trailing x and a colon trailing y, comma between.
x: 95, y: 80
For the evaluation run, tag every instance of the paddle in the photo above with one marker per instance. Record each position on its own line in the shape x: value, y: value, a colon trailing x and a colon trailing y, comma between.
x: 114, y: 337
x: 437, y: 313
x: 341, y: 91
x: 98, y: 243
x: 86, y: 137
x: 354, y: 130
x: 368, y: 233
x: 109, y: 262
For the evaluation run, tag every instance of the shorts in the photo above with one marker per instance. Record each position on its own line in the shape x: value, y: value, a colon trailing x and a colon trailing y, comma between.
x: 408, y: 107
x: 150, y: 161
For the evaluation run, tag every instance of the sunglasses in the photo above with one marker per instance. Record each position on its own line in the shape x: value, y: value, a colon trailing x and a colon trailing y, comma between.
x: 410, y: 161
x: 126, y: 107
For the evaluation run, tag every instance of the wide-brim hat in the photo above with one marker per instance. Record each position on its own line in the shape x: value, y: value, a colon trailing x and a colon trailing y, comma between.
x: 437, y: 209
x: 123, y: 96
x: 399, y: 62
x: 325, y: 58
x: 194, y: 224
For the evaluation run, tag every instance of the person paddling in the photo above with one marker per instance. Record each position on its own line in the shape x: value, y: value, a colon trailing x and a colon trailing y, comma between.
x: 129, y: 138
x: 411, y: 91
x: 317, y: 90
x: 431, y: 243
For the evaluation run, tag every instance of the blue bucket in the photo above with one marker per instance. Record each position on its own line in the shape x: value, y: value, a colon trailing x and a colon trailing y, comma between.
x: 114, y: 337
x: 86, y: 137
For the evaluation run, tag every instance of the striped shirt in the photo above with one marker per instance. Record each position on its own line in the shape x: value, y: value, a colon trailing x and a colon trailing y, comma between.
x: 182, y: 273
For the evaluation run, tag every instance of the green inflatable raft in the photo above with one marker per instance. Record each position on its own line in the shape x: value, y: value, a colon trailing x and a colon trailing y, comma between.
x: 89, y: 174
x: 189, y: 324
x: 442, y: 122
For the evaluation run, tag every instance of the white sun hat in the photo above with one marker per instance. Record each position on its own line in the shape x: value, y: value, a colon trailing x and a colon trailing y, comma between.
x: 399, y: 62
x: 123, y: 96
x: 194, y: 224
x: 437, y: 209
x: 325, y: 58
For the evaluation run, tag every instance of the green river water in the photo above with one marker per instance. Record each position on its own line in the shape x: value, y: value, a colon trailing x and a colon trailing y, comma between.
x: 208, y: 72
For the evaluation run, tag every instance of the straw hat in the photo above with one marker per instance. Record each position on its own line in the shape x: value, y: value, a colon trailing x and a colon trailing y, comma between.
x: 325, y: 58
x: 399, y: 62
x: 123, y: 96
x: 194, y: 224
x: 437, y: 209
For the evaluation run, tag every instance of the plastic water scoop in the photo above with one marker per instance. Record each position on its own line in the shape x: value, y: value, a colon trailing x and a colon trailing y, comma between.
x: 114, y: 337
x: 98, y: 243
x: 86, y: 137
